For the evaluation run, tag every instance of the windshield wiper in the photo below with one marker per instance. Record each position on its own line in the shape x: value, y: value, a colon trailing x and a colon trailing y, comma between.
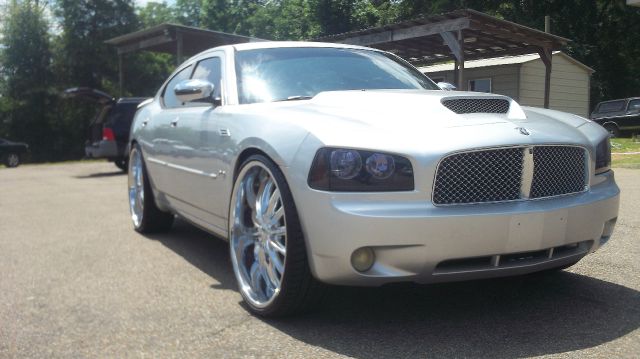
x: 294, y: 98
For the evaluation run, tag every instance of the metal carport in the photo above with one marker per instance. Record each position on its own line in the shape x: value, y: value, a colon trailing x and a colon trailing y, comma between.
x: 174, y: 39
x: 458, y: 35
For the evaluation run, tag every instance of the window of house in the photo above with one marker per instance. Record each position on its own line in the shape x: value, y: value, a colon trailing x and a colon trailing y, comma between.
x: 480, y: 85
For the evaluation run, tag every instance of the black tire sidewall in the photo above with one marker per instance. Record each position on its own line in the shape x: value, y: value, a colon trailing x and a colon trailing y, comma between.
x: 295, y: 240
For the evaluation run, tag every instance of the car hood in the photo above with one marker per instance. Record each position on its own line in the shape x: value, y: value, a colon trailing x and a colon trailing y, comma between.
x: 395, y: 119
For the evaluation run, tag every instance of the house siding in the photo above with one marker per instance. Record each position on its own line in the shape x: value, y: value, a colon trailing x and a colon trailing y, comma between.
x: 504, y: 79
x: 524, y: 82
x: 569, y: 86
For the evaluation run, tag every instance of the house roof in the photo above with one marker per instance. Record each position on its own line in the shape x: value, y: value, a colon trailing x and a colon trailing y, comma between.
x: 500, y: 61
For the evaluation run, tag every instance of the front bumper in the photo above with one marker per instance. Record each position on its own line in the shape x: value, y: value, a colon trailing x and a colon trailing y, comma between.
x: 102, y: 149
x: 415, y: 241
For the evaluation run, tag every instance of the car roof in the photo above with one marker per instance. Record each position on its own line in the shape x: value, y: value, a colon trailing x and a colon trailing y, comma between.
x: 620, y: 99
x: 280, y: 44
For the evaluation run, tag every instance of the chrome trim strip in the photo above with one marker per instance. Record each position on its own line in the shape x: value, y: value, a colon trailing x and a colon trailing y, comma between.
x: 182, y: 168
x: 527, y: 173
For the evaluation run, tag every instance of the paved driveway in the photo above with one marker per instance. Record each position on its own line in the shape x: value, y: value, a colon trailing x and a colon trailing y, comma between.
x: 77, y: 281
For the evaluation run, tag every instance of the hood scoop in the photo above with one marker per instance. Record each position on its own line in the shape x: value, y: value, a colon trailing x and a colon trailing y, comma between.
x: 476, y: 105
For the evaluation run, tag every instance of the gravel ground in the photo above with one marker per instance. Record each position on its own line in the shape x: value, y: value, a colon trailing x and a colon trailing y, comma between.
x: 77, y: 281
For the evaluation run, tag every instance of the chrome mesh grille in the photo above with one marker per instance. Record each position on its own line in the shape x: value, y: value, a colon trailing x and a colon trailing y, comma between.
x: 481, y: 176
x: 558, y: 170
x: 477, y: 105
x: 497, y: 175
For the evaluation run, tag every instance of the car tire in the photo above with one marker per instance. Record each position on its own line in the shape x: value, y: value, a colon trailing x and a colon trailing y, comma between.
x: 122, y: 163
x: 613, y: 130
x: 145, y: 214
x: 266, y: 243
x: 12, y: 160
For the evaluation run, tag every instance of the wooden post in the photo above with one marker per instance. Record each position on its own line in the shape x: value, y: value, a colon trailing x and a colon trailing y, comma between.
x: 456, y: 45
x: 461, y: 84
x: 179, y: 48
x: 545, y: 56
x: 120, y: 75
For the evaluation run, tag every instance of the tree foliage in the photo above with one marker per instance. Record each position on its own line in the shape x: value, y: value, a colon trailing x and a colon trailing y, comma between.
x: 46, y: 47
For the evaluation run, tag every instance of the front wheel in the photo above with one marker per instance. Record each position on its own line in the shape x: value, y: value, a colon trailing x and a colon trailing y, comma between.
x: 146, y: 216
x: 267, y: 246
x: 12, y: 160
x: 614, y: 131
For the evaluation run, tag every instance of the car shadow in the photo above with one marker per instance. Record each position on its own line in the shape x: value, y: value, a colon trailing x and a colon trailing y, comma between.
x: 512, y: 317
x: 101, y: 175
x: 203, y: 250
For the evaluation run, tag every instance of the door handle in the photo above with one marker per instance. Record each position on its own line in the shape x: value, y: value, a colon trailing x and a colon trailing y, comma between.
x: 174, y: 123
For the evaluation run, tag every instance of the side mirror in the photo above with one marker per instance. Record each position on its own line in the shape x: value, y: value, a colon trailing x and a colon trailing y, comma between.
x: 194, y: 90
x: 446, y: 86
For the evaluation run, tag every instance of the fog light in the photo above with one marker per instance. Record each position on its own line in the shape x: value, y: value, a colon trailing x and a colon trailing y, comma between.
x: 362, y: 259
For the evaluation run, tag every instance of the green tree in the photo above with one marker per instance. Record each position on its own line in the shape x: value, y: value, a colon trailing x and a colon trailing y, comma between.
x: 154, y: 13
x: 25, y: 76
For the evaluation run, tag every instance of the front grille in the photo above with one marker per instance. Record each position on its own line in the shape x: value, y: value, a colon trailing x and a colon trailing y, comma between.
x: 508, y: 174
x: 480, y: 176
x: 558, y: 170
x: 477, y: 105
x: 512, y: 260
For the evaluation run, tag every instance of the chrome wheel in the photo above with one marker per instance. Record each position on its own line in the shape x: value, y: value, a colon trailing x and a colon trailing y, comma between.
x: 258, y: 234
x: 13, y: 160
x: 136, y: 187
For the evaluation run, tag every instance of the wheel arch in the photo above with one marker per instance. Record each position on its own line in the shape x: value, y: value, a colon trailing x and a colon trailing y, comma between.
x: 610, y: 123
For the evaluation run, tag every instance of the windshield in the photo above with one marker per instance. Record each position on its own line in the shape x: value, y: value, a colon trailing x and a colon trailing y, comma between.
x: 279, y: 74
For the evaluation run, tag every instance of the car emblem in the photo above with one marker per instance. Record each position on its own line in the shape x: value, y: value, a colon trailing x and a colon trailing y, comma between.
x: 523, y: 131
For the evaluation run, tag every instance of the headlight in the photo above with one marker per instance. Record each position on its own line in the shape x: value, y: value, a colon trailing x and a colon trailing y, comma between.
x: 603, y: 156
x: 347, y: 170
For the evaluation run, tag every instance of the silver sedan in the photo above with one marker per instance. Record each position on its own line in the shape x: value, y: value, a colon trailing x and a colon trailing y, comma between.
x: 324, y: 163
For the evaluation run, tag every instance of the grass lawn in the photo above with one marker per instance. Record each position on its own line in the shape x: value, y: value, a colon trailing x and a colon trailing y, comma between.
x: 619, y: 145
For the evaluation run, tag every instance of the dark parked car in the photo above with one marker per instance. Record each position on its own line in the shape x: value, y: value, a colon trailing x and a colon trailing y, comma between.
x: 618, y: 116
x: 12, y: 153
x: 109, y: 131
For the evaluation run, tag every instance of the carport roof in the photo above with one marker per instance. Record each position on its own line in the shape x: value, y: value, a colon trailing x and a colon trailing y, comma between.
x: 421, y: 41
x: 169, y: 38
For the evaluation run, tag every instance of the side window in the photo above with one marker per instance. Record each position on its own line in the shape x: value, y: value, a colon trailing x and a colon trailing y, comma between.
x: 210, y: 70
x: 634, y: 105
x: 611, y: 106
x: 169, y: 97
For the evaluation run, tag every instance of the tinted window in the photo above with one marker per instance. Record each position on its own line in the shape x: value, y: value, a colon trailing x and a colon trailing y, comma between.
x: 120, y: 118
x: 266, y: 75
x: 611, y: 106
x: 634, y: 105
x: 169, y: 97
x: 210, y: 70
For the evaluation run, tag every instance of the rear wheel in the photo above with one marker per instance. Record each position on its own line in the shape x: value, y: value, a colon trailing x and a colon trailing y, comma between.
x: 146, y: 216
x: 12, y: 160
x: 122, y: 163
x: 267, y: 246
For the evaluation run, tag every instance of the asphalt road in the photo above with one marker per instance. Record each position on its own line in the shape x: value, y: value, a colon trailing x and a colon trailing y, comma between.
x: 77, y: 281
